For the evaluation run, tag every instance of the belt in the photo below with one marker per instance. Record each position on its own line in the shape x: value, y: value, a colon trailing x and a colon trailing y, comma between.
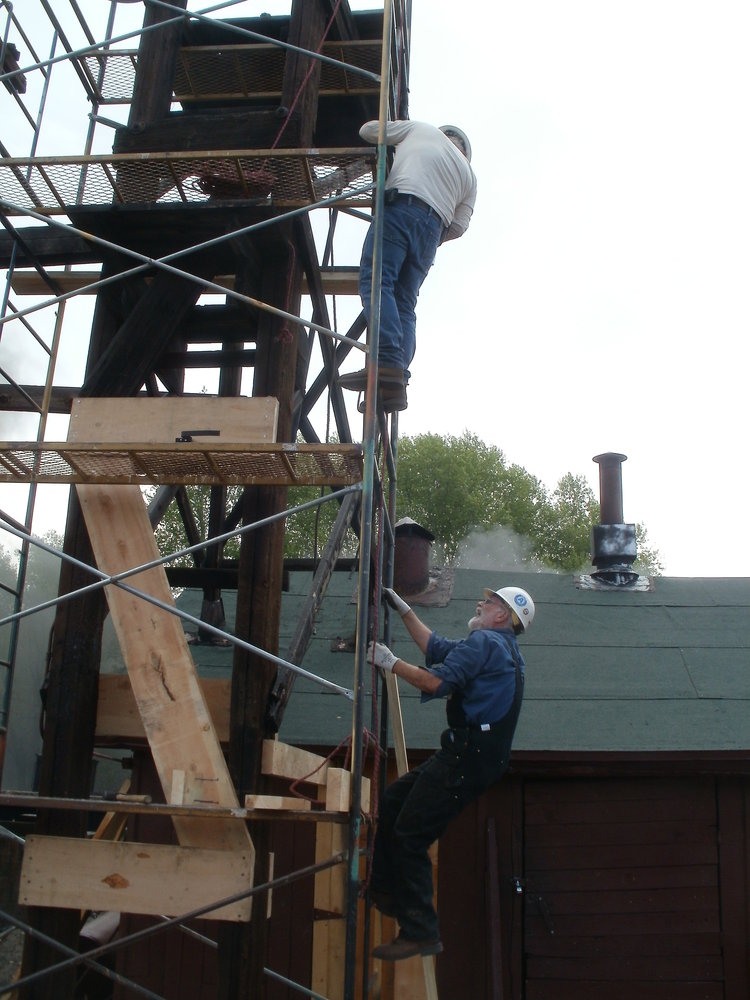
x: 411, y: 199
x: 476, y: 727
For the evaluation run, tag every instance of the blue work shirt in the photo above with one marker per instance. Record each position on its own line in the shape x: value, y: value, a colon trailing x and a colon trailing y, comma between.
x: 480, y: 668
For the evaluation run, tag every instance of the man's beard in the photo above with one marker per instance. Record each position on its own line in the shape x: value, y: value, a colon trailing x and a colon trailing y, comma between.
x: 473, y: 623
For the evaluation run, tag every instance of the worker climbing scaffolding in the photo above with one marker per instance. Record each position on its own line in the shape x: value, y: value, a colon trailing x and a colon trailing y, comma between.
x: 482, y: 678
x: 429, y: 199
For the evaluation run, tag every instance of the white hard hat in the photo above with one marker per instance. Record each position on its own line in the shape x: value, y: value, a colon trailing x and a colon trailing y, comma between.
x: 453, y: 131
x: 519, y: 601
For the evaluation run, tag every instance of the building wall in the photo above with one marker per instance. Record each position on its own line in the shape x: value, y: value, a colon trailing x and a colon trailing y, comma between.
x: 606, y: 885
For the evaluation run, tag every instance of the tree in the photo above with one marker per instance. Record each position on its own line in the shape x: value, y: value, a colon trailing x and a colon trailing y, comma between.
x: 455, y: 486
x: 451, y: 485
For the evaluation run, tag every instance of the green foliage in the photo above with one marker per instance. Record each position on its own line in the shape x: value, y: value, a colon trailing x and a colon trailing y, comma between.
x: 450, y: 485
x: 455, y: 486
x: 308, y: 530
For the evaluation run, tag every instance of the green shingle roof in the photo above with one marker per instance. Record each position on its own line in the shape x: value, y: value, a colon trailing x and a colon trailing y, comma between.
x: 657, y: 670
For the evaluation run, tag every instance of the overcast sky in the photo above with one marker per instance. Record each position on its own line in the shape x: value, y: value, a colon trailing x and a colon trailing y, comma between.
x: 599, y: 299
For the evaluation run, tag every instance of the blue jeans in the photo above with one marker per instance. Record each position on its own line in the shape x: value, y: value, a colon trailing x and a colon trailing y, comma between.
x: 411, y: 236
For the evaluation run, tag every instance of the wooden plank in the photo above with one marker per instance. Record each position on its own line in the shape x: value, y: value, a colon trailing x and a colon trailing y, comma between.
x: 118, y: 718
x: 240, y: 419
x: 682, y: 900
x: 397, y: 723
x: 162, y: 673
x: 285, y: 761
x: 287, y: 802
x: 338, y: 791
x: 161, y: 670
x: 133, y: 878
x: 329, y: 932
x: 342, y: 281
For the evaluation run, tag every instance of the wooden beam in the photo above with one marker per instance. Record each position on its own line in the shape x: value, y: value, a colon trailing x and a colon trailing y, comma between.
x: 134, y: 878
x: 284, y: 761
x: 119, y: 721
x: 286, y: 802
x: 242, y: 950
x: 333, y: 281
x: 141, y: 339
x: 161, y: 670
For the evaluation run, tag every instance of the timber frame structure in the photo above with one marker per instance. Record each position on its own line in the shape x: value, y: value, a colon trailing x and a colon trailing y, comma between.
x: 238, y: 133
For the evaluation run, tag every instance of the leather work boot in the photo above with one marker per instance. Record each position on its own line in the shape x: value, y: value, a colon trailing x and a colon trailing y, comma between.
x: 402, y: 947
x: 391, y: 396
x: 358, y: 380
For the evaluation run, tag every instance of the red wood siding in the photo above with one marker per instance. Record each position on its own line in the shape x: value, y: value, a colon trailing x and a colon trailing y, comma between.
x: 622, y: 890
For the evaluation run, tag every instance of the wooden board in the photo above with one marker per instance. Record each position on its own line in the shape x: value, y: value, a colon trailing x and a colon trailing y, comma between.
x: 285, y: 761
x: 162, y: 673
x: 118, y: 719
x: 133, y: 878
x: 286, y: 802
x: 239, y: 419
x: 175, y: 717
x: 329, y: 932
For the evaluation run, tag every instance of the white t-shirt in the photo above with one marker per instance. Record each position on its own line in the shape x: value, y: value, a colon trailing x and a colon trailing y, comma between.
x: 428, y: 165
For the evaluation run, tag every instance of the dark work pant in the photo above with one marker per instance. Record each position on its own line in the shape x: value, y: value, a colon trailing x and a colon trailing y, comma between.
x: 415, y: 811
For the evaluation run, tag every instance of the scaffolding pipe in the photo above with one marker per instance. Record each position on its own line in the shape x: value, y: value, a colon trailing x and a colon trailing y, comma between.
x: 94, y: 48
x: 161, y: 263
x: 15, y: 528
x: 115, y: 977
x: 106, y: 580
x: 369, y: 434
x: 193, y: 15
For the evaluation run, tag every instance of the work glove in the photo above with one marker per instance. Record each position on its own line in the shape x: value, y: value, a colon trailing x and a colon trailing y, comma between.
x: 381, y: 656
x: 394, y: 601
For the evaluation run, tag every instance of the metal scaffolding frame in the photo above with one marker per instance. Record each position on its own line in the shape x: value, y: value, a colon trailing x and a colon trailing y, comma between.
x: 375, y: 424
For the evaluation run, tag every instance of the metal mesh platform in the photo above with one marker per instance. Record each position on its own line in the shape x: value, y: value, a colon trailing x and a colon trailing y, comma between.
x: 235, y: 72
x: 287, y: 178
x: 182, y: 464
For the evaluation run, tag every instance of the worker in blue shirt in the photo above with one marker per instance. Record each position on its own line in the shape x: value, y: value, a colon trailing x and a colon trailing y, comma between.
x: 482, y: 678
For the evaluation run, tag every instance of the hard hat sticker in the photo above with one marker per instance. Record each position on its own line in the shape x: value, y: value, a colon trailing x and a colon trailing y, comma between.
x: 520, y: 600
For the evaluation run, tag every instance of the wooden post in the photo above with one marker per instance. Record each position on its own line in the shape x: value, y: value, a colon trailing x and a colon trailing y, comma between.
x: 242, y: 950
